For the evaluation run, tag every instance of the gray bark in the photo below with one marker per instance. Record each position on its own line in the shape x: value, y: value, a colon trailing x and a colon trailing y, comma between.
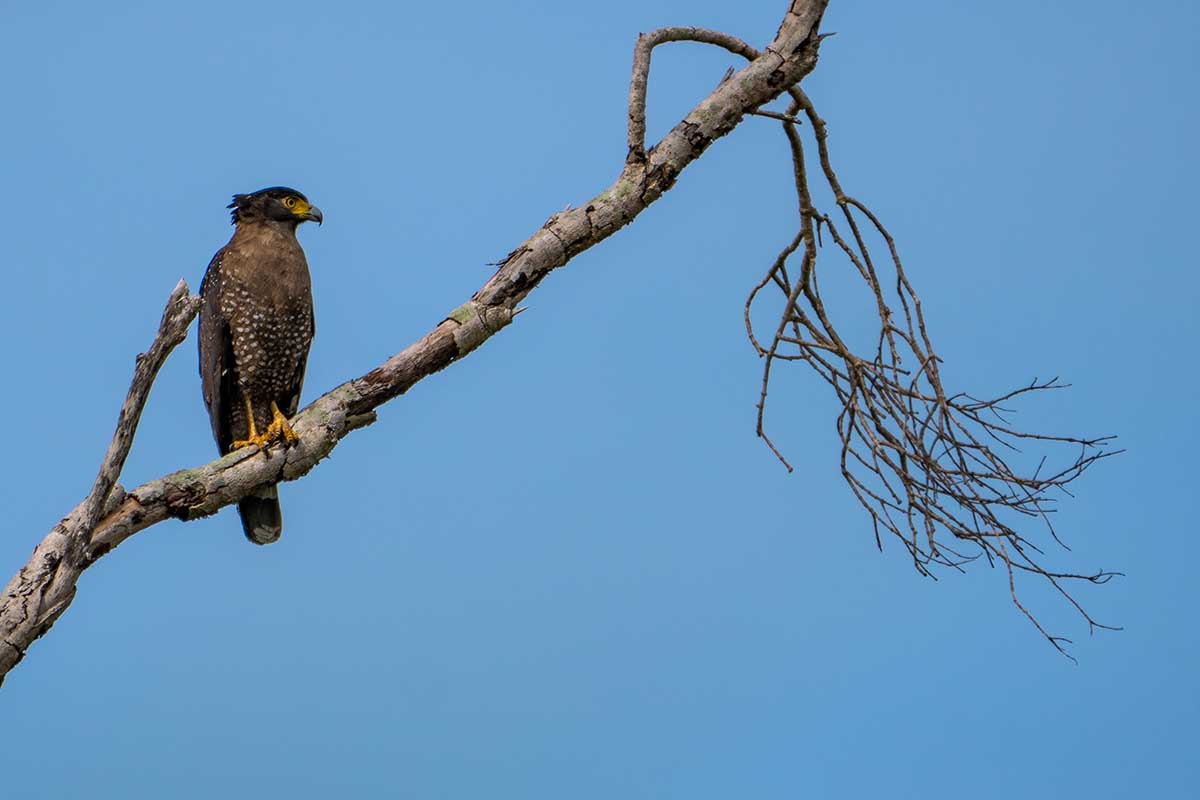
x: 45, y: 586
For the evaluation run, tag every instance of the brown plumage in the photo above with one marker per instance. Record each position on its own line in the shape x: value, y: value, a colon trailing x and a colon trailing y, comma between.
x: 256, y: 325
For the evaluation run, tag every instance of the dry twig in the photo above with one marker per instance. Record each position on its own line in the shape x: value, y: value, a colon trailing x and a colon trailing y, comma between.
x: 929, y: 467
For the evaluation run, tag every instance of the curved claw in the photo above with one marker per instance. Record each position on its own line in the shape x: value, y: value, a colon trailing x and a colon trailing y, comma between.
x: 279, y: 429
x: 260, y: 441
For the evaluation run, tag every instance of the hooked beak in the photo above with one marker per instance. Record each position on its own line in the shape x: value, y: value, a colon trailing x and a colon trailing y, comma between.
x: 313, y: 214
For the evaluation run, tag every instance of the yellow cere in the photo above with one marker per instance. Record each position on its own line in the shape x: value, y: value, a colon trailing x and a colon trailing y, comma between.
x: 297, y: 206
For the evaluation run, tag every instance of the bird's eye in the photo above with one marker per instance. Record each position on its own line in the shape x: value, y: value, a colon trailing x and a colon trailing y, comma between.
x: 290, y: 202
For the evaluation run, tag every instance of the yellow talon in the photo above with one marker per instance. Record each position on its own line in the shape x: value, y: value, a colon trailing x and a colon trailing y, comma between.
x: 278, y: 431
x: 279, y: 428
x: 259, y: 441
x: 254, y: 438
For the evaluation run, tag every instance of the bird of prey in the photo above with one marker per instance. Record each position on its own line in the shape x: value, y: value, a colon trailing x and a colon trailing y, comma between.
x: 256, y: 324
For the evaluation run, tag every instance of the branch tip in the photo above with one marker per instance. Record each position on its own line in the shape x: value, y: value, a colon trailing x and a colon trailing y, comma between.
x: 927, y: 466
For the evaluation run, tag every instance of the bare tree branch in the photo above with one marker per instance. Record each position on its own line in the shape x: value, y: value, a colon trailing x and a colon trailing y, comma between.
x: 923, y: 463
x: 44, y: 587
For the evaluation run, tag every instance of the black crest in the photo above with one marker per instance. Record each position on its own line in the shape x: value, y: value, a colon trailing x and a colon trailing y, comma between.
x: 247, y: 205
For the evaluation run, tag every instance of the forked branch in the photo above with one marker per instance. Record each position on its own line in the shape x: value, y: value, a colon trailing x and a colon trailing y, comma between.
x: 42, y: 589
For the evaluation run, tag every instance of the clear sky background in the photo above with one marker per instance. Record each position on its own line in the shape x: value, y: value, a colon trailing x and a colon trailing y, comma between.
x: 565, y: 567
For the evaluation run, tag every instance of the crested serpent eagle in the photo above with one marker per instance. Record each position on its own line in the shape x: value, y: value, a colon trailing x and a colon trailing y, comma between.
x: 256, y: 324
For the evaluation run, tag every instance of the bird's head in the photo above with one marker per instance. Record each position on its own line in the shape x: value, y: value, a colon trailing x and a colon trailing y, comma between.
x: 276, y: 204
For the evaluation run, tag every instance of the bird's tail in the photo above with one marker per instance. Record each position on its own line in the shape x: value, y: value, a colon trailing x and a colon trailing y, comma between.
x: 262, y: 519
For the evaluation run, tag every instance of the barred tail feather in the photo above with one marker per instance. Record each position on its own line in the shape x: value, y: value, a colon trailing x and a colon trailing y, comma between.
x: 262, y: 519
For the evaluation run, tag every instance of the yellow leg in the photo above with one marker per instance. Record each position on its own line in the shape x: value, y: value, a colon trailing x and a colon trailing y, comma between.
x: 254, y: 438
x: 279, y: 429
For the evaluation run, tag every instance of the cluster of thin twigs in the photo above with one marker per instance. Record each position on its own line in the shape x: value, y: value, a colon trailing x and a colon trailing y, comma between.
x: 929, y: 467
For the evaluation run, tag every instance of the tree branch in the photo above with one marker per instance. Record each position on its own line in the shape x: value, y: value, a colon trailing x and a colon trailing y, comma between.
x: 45, y: 586
x: 929, y: 467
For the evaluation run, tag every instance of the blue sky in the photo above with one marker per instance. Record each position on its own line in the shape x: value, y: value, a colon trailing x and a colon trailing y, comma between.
x: 565, y: 566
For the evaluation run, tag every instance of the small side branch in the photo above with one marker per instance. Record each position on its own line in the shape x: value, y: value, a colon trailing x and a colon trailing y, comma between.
x: 45, y: 586
x: 641, y: 73
x: 181, y: 309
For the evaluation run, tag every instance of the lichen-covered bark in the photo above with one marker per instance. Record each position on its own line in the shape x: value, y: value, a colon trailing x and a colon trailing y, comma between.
x: 45, y: 586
